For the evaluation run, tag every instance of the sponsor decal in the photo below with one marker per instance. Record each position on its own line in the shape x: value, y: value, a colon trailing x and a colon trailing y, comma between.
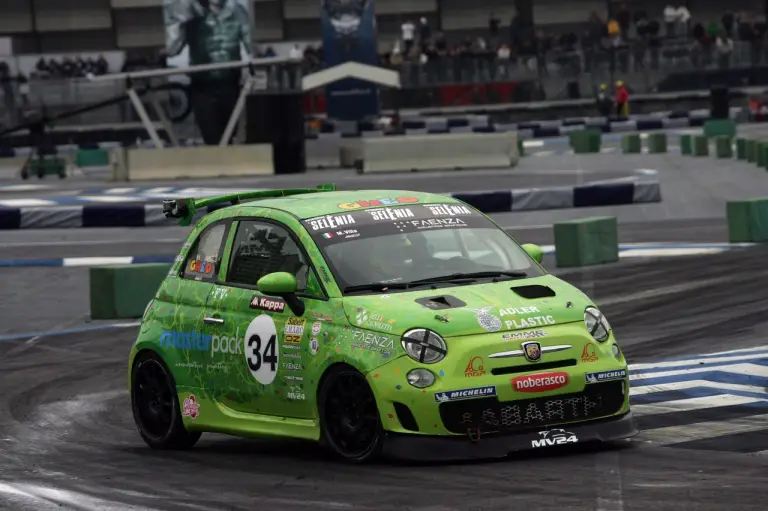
x: 200, y: 266
x: 316, y: 327
x: 554, y: 437
x: 191, y: 408
x: 540, y: 382
x: 220, y: 293
x: 327, y: 235
x: 449, y: 209
x: 321, y: 317
x: 532, y: 334
x: 391, y: 214
x: 293, y: 378
x: 196, y: 341
x: 324, y: 274
x: 474, y: 368
x: 291, y: 355
x: 296, y: 393
x: 431, y: 223
x: 314, y: 345
x: 372, y: 320
x: 589, y: 353
x: 292, y: 366
x: 267, y: 304
x: 189, y: 365
x: 619, y: 374
x: 377, y: 203
x: 456, y: 395
x: 487, y: 321
x: 532, y: 351
x: 219, y: 366
x: 516, y: 311
x: 294, y: 329
x: 518, y: 324
x: 373, y: 342
x: 322, y: 223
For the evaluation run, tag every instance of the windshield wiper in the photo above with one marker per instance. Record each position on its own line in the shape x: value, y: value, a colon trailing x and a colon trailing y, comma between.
x: 376, y: 286
x: 472, y: 276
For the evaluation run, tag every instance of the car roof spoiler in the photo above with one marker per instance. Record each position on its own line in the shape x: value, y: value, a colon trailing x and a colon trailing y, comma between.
x: 185, y: 209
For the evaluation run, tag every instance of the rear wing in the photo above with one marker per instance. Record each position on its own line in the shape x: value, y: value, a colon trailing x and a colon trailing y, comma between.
x: 186, y: 209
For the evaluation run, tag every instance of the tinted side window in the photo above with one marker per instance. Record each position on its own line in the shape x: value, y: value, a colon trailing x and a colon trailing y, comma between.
x: 262, y: 248
x: 203, y: 258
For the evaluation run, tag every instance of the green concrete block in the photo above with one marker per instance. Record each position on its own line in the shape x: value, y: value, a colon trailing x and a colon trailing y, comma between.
x: 630, y: 143
x: 723, y: 146
x: 752, y: 151
x: 123, y: 291
x: 520, y: 147
x: 585, y: 141
x: 747, y: 220
x: 92, y: 158
x: 586, y: 242
x: 741, y: 148
x: 686, y: 144
x: 760, y: 154
x: 719, y: 127
x: 657, y: 143
x: 700, y: 146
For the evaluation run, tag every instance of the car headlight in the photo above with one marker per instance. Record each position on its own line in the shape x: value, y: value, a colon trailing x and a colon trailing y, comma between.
x: 424, y: 346
x: 596, y: 323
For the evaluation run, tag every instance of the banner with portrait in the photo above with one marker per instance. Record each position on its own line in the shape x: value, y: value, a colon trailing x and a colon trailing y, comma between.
x: 209, y: 32
x: 349, y: 35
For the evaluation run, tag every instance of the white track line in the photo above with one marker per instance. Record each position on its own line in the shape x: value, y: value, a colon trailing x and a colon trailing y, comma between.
x: 742, y: 369
x: 694, y: 361
x: 694, y: 403
x: 692, y: 384
x: 704, y: 430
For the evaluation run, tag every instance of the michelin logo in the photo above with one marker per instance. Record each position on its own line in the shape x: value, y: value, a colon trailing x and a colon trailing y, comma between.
x: 455, y: 395
x: 606, y: 376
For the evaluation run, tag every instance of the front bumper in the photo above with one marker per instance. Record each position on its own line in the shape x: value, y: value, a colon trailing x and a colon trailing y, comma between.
x: 447, y: 448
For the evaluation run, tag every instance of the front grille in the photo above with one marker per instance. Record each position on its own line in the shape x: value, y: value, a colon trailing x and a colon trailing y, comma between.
x: 491, y: 416
x: 527, y: 368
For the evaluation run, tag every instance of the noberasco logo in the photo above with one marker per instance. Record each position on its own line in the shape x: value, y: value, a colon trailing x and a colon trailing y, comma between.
x: 197, y: 341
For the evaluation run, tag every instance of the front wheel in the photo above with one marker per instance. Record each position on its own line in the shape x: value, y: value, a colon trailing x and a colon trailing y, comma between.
x: 349, y: 418
x: 156, y: 406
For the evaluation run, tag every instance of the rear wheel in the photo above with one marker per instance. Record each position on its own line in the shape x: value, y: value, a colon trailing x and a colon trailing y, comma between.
x: 156, y: 406
x: 349, y: 417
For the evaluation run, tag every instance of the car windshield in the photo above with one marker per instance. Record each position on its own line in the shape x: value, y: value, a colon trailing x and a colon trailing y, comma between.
x: 401, y: 247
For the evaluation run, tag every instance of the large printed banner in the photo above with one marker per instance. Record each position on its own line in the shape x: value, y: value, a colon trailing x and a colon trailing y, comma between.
x: 206, y: 31
x: 349, y: 35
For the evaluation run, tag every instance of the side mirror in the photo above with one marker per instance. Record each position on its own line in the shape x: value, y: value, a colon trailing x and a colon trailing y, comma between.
x: 535, y: 251
x: 284, y: 285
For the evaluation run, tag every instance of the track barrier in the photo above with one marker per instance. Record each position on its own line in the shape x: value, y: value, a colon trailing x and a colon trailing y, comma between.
x: 747, y: 220
x: 123, y: 291
x: 631, y: 144
x: 700, y: 145
x: 199, y: 162
x: 465, y: 151
x: 723, y: 146
x: 657, y: 143
x: 586, y: 242
x: 586, y: 141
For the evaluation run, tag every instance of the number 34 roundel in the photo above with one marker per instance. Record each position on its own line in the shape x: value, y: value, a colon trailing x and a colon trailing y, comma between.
x: 261, y: 351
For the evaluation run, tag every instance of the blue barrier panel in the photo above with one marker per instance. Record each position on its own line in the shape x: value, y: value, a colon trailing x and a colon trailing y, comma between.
x: 10, y: 218
x: 610, y: 194
x: 113, y: 215
x: 547, y: 132
x: 650, y: 124
x: 488, y: 202
x: 457, y: 122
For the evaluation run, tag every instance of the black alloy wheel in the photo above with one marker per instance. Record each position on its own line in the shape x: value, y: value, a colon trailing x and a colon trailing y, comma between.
x: 349, y: 417
x: 156, y: 406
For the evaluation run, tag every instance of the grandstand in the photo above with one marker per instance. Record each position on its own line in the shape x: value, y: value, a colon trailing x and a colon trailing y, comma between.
x: 463, y: 53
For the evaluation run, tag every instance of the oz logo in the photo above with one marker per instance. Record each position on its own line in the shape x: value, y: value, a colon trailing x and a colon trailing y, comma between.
x: 362, y: 316
x: 261, y: 353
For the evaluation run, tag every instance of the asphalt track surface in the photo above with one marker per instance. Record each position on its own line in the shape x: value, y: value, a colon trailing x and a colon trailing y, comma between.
x: 67, y: 439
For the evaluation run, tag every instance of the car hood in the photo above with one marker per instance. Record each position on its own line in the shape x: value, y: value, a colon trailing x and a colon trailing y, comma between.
x: 453, y: 311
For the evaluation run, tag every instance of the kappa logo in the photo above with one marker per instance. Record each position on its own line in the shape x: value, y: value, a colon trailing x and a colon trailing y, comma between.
x: 554, y: 437
x: 267, y: 304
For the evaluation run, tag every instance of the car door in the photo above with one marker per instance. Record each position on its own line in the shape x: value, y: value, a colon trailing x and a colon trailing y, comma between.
x: 181, y: 303
x: 265, y: 371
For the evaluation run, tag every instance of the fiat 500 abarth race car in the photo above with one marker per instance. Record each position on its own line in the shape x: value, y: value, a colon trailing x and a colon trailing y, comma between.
x: 377, y: 322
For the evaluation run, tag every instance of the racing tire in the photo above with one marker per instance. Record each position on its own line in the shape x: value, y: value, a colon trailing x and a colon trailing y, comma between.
x: 350, y: 425
x: 155, y: 406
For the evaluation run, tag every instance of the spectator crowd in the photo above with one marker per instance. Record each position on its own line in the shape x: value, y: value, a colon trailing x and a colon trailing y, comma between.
x: 68, y: 67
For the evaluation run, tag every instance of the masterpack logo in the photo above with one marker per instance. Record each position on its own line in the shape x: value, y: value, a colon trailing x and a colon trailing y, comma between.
x: 456, y: 395
x: 197, y: 341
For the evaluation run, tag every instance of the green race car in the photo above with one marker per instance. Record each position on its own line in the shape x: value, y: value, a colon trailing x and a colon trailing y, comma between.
x: 377, y: 322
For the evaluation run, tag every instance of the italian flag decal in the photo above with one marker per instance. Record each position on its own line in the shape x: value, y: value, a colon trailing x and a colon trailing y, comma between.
x: 327, y: 235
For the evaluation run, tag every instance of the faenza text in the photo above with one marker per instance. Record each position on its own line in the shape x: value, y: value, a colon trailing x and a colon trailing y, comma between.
x: 516, y: 324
